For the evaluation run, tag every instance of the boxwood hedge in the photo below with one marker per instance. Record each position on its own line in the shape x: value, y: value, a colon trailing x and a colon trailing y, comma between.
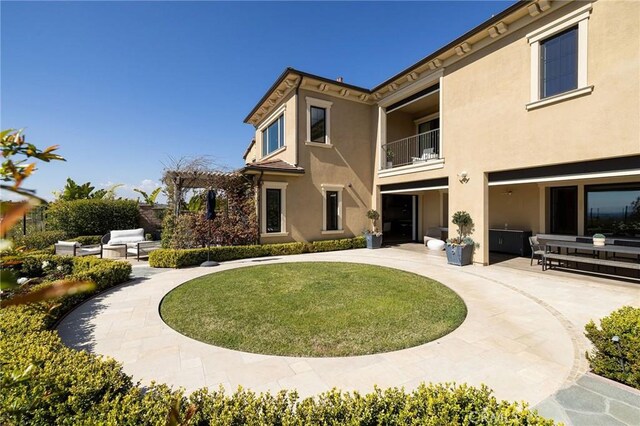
x: 619, y: 360
x: 46, y: 383
x: 173, y: 258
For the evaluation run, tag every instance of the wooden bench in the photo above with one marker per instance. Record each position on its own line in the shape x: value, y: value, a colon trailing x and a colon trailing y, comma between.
x: 590, y: 260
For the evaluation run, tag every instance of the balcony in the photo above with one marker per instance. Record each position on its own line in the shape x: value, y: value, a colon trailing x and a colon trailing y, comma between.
x: 414, y: 150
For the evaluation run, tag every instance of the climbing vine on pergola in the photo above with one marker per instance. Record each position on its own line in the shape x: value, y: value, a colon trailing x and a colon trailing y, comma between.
x: 185, y: 225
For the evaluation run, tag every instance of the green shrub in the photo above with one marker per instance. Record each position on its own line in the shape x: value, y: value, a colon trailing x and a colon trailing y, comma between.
x: 87, y: 240
x: 104, y: 272
x: 62, y: 383
x: 92, y: 217
x: 34, y: 266
x: 39, y: 240
x: 171, y: 258
x: 620, y: 360
x: 333, y: 245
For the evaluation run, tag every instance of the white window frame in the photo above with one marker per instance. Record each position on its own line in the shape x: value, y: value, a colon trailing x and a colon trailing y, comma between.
x: 282, y: 186
x: 268, y: 122
x: 579, y: 17
x: 338, y: 189
x: 319, y: 103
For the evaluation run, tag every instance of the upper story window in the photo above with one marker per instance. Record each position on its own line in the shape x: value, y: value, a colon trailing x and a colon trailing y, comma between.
x: 318, y: 121
x: 273, y: 136
x: 559, y: 63
x: 318, y: 129
x: 559, y: 59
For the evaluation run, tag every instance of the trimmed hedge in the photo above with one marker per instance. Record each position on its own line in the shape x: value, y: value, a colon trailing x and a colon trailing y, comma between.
x: 172, y: 258
x: 618, y: 361
x: 87, y: 240
x: 39, y: 240
x: 45, y: 383
x: 92, y: 217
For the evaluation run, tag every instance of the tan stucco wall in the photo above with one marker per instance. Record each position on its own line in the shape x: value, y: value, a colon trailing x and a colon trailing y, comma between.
x: 400, y: 126
x: 430, y: 211
x: 488, y: 128
x: 348, y: 163
x: 517, y: 206
x: 252, y: 155
x: 289, y: 152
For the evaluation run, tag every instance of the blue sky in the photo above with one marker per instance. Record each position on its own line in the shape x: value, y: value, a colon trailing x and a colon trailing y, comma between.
x: 123, y: 86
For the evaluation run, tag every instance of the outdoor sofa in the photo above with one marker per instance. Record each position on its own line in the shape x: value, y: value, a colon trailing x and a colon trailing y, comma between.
x: 129, y: 242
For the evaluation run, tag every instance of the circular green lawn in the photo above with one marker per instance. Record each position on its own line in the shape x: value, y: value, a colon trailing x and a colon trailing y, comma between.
x: 313, y: 309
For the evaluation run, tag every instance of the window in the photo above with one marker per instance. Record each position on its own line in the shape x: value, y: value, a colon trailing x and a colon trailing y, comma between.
x: 318, y: 122
x: 332, y: 212
x: 273, y: 209
x: 559, y: 59
x: 559, y: 63
x: 612, y: 209
x: 274, y: 212
x: 273, y: 136
x: 318, y: 125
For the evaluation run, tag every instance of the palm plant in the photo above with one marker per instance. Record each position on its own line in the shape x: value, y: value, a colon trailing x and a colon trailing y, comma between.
x: 149, y: 198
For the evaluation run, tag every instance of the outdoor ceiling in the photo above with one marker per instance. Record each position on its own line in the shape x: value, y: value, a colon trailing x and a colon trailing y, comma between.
x: 426, y: 105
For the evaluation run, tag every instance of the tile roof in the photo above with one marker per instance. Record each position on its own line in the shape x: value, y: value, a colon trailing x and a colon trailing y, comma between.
x: 273, y: 165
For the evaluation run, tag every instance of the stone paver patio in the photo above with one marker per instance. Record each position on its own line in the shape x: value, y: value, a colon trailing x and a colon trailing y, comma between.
x: 593, y: 401
x: 523, y: 335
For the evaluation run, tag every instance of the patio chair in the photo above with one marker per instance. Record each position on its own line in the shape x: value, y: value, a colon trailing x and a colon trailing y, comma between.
x: 134, y: 241
x: 143, y: 248
x: 74, y: 248
x: 537, y: 249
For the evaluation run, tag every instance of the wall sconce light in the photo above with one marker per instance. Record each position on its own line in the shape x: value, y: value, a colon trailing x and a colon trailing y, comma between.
x: 509, y: 192
x: 463, y: 176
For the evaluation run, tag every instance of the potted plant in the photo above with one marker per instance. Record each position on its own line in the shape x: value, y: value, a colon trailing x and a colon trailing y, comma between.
x: 374, y: 238
x: 390, y: 156
x: 599, y: 239
x: 460, y: 248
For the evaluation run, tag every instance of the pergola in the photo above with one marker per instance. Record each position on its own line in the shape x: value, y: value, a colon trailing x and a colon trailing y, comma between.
x: 183, y: 180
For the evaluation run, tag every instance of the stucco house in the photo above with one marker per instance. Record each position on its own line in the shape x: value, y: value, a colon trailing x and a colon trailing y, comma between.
x: 530, y: 121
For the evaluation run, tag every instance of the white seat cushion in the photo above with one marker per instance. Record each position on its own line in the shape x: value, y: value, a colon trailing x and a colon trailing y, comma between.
x: 127, y: 236
x: 434, y: 244
x: 68, y: 244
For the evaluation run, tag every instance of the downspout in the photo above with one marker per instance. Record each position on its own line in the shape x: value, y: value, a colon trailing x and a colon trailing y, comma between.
x: 296, y: 123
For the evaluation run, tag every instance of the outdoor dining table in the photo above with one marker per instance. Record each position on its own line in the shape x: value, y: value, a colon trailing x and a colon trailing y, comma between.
x: 607, y: 248
x: 595, y: 260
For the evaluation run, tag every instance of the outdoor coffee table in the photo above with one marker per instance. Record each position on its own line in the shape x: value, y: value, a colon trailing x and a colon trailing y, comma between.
x: 114, y: 251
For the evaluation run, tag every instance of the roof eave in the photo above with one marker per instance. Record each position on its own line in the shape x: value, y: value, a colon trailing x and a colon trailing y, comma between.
x: 494, y: 19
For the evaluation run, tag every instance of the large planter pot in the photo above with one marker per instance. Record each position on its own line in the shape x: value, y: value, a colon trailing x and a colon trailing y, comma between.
x: 459, y: 255
x: 374, y: 241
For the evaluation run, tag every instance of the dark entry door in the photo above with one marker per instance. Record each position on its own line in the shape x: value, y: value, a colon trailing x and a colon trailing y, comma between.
x: 398, y: 217
x: 564, y: 210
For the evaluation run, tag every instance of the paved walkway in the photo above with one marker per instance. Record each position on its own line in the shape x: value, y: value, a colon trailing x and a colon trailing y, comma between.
x: 523, y: 335
x: 593, y: 401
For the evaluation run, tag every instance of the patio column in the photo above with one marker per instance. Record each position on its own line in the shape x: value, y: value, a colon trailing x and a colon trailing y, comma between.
x: 381, y: 137
x: 470, y: 193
